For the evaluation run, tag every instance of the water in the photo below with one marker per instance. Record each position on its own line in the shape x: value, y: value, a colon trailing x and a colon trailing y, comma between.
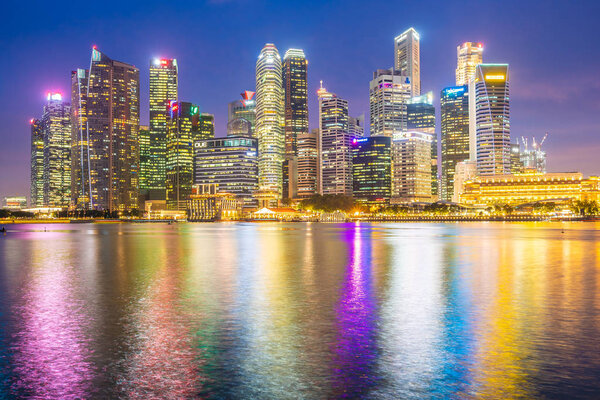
x: 290, y: 311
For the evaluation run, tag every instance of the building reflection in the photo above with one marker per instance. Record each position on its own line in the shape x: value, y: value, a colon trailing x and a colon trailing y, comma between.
x: 52, y: 353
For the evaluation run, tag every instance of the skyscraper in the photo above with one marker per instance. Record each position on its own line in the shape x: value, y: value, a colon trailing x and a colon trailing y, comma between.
x: 356, y: 126
x: 242, y: 115
x: 37, y: 164
x: 296, y: 115
x: 109, y: 135
x: 149, y: 168
x: 270, y: 123
x: 468, y: 56
x: 229, y: 162
x: 80, y: 160
x: 372, y: 170
x: 182, y: 131
x: 407, y: 58
x: 389, y: 92
x: 421, y: 117
x: 411, y: 167
x: 206, y: 127
x: 335, y: 144
x: 490, y: 119
x: 56, y: 126
x: 454, y: 102
x: 163, y: 89
x: 308, y: 164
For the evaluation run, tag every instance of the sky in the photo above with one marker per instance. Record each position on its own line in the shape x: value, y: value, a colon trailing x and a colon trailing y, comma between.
x: 550, y: 46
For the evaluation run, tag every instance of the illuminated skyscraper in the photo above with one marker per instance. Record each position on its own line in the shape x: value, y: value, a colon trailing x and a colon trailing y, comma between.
x: 356, y: 126
x: 490, y: 119
x: 372, y: 169
x: 335, y: 144
x: 37, y: 164
x: 148, y: 164
x: 270, y: 123
x: 407, y: 58
x: 109, y: 136
x: 56, y: 126
x: 468, y: 56
x: 80, y: 162
x: 183, y: 126
x: 421, y: 117
x: 389, y: 92
x: 308, y: 164
x: 411, y: 167
x: 242, y: 115
x: 229, y: 162
x: 454, y: 103
x: 296, y: 115
x: 163, y: 89
x: 206, y: 127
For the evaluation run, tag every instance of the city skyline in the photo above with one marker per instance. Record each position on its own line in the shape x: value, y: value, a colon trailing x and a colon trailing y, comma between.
x: 534, y: 94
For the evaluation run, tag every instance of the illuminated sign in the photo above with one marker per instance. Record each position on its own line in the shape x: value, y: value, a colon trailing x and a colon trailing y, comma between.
x: 361, y: 140
x: 96, y: 55
x: 54, y: 96
x: 454, y: 90
x: 193, y: 110
x: 494, y: 77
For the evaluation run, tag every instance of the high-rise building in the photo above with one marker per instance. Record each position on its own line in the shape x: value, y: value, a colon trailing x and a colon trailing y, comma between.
x: 206, y: 127
x: 149, y: 165
x: 108, y: 160
x: 489, y: 117
x: 371, y: 170
x: 270, y: 123
x: 407, y: 58
x: 80, y: 161
x: 183, y: 127
x: 531, y: 158
x: 164, y: 82
x: 411, y: 167
x: 308, y: 164
x: 37, y: 164
x: 464, y: 171
x: 335, y: 144
x: 242, y: 115
x: 454, y: 104
x: 389, y: 92
x: 421, y: 117
x: 516, y: 164
x: 56, y: 126
x: 356, y: 126
x: 229, y: 162
x: 468, y: 56
x: 296, y: 115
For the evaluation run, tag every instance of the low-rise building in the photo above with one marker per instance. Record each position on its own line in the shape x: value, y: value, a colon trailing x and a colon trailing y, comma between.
x: 208, y: 204
x: 529, y: 188
x: 15, y: 202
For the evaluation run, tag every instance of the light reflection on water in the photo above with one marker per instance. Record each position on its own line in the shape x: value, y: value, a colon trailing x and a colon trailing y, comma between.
x: 477, y: 310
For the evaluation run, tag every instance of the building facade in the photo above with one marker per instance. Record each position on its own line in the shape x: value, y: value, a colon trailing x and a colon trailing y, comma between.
x: 231, y: 163
x: 164, y: 88
x: 490, y: 118
x: 308, y: 164
x: 335, y: 144
x: 107, y: 175
x: 270, y: 123
x: 37, y: 164
x: 468, y: 56
x: 80, y: 161
x: 407, y: 58
x: 411, y: 167
x: 372, y: 170
x: 56, y: 126
x: 530, y: 188
x: 389, y: 92
x: 183, y: 127
x: 454, y: 105
x: 421, y: 117
x: 296, y: 115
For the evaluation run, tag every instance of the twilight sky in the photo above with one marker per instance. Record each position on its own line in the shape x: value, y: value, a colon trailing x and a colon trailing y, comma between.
x: 550, y: 46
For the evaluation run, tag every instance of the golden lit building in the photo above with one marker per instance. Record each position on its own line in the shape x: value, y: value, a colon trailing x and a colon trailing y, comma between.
x: 530, y: 188
x: 468, y: 56
x: 206, y: 203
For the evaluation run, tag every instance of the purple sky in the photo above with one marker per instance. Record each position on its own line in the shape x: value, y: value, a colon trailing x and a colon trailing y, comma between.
x: 553, y: 56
